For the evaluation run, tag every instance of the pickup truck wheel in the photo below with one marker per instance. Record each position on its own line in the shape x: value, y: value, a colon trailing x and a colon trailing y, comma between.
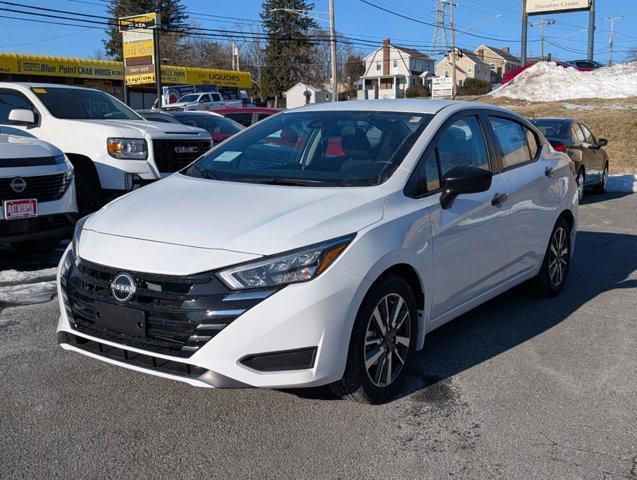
x: 551, y: 279
x: 36, y: 247
x: 89, y: 193
x: 382, y: 344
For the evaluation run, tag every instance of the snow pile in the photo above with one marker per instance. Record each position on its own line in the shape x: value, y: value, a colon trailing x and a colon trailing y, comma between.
x: 26, y: 287
x: 547, y: 82
x: 622, y: 183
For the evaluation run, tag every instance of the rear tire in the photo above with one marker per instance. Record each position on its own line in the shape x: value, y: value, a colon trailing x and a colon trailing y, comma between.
x: 580, y: 179
x: 551, y: 279
x: 36, y: 247
x: 601, y: 186
x: 382, y: 343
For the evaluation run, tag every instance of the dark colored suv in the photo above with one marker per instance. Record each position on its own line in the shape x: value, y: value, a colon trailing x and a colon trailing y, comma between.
x: 575, y: 139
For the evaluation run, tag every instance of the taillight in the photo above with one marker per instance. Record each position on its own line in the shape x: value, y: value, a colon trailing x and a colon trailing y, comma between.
x: 560, y: 148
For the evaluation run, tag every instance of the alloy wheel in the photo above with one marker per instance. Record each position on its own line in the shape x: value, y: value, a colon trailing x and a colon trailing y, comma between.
x: 580, y: 185
x: 558, y: 256
x: 387, y: 340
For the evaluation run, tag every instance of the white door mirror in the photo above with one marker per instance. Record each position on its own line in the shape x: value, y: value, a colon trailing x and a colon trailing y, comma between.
x: 21, y: 116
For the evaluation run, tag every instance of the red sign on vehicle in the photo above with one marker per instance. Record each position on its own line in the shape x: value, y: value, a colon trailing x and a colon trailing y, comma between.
x: 16, y: 209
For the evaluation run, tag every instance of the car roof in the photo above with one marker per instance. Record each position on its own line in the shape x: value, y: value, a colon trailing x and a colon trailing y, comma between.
x: 247, y: 110
x: 554, y: 119
x: 385, y: 105
x: 192, y: 112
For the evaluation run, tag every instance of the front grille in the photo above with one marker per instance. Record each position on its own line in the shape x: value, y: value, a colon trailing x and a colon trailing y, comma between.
x: 44, y: 188
x: 173, y: 155
x: 131, y: 358
x: 37, y: 224
x: 182, y: 313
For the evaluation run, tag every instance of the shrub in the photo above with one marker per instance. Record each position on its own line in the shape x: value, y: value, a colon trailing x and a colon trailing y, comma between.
x: 473, y: 86
x: 418, y: 90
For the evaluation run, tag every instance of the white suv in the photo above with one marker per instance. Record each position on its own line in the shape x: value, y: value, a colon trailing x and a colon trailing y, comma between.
x: 320, y: 246
x: 112, y: 148
x: 37, y: 194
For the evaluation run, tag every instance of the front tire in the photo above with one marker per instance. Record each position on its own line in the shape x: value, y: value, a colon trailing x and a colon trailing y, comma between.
x: 551, y: 279
x: 580, y: 179
x: 601, y: 186
x: 382, y: 343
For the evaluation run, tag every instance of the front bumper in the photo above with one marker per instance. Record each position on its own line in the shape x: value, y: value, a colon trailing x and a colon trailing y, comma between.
x: 316, y: 315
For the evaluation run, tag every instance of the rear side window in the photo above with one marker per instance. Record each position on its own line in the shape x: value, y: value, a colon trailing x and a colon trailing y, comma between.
x: 462, y: 144
x: 513, y: 141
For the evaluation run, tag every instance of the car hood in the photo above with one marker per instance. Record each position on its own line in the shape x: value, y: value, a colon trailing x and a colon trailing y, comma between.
x: 14, y: 146
x: 240, y: 217
x: 137, y: 128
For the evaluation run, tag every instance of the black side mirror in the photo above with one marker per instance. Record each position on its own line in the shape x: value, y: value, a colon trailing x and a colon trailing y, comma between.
x: 601, y: 142
x: 461, y: 180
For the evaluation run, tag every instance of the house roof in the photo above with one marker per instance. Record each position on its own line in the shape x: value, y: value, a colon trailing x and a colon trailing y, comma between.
x: 314, y: 88
x: 474, y: 58
x: 499, y: 52
x: 409, y: 51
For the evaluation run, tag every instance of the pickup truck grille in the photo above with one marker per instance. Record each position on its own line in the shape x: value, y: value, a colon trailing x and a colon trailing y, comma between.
x: 173, y: 155
x: 45, y: 188
x: 182, y: 313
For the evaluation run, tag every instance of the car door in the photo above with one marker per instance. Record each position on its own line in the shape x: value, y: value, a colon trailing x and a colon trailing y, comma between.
x: 470, y: 238
x: 529, y: 178
x: 587, y: 154
x: 597, y: 156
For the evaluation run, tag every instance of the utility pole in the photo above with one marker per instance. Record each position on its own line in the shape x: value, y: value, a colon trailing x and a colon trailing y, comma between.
x: 452, y: 24
x: 158, y: 60
x: 543, y: 23
x: 333, y: 51
x: 611, y: 37
x: 525, y: 21
x: 591, y: 31
x: 439, y: 41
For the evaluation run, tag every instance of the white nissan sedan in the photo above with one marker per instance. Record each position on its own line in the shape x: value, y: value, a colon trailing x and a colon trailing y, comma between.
x: 320, y: 246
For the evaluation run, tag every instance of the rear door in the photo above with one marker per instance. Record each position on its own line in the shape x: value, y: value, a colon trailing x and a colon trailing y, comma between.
x: 470, y: 238
x: 529, y: 177
x: 597, y: 159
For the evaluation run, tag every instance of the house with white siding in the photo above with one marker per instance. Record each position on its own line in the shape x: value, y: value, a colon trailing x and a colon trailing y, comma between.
x: 468, y: 65
x: 391, y: 69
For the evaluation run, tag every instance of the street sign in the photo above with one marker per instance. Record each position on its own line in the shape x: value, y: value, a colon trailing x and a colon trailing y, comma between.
x: 441, y: 87
x: 138, y: 41
x: 556, y: 6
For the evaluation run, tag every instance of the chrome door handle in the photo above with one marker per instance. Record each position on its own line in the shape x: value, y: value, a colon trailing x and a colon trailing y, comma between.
x: 499, y: 199
x: 548, y: 171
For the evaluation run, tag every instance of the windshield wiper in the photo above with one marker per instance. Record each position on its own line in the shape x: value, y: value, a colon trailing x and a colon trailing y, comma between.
x: 202, y: 171
x: 281, y: 181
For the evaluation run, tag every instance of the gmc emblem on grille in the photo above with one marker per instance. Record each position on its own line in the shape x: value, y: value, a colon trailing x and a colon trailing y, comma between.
x: 18, y: 184
x: 123, y: 287
x: 184, y: 149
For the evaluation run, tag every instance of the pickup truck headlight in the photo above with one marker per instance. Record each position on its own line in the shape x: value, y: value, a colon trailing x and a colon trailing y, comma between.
x: 293, y: 267
x: 127, y: 148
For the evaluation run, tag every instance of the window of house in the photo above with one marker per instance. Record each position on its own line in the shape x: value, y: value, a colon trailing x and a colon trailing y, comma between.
x: 395, y: 63
x: 513, y: 141
x: 462, y: 144
x: 377, y: 65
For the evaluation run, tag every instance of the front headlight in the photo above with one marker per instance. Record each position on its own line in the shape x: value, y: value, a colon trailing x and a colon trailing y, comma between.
x: 293, y: 267
x: 127, y: 148
x: 77, y: 233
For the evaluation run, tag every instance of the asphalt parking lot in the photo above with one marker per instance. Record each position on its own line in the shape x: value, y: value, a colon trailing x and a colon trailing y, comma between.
x: 518, y: 388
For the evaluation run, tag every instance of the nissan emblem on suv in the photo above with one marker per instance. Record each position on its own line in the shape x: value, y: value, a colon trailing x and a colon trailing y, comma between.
x: 123, y: 287
x: 185, y: 149
x: 18, y: 184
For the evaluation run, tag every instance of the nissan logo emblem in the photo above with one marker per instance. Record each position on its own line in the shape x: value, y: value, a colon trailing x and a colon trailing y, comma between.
x: 123, y: 287
x: 186, y: 149
x: 18, y: 184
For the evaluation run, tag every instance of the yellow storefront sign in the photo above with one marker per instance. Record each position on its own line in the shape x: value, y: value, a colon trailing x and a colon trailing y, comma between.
x: 145, y: 20
x: 11, y: 63
x: 138, y: 49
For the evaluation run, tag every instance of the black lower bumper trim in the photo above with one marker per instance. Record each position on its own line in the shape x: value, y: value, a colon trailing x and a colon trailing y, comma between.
x: 298, y: 359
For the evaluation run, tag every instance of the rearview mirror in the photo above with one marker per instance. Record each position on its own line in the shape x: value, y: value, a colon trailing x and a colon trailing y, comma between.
x: 461, y: 180
x: 602, y: 142
x: 21, y: 116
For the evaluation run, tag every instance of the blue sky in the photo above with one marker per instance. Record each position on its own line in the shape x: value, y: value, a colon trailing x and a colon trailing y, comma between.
x: 499, y: 19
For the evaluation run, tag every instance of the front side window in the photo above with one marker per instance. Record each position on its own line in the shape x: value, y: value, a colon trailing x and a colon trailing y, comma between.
x: 193, y: 97
x: 577, y: 131
x: 341, y: 148
x: 590, y: 138
x: 462, y: 144
x: 513, y: 141
x: 83, y: 104
x: 10, y: 100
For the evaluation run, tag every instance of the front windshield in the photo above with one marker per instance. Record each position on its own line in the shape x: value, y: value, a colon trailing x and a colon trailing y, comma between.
x: 190, y: 98
x: 342, y: 148
x: 210, y: 123
x: 83, y: 104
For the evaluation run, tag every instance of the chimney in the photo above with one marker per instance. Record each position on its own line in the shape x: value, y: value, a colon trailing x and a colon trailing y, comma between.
x: 481, y: 53
x: 386, y: 56
x: 505, y: 49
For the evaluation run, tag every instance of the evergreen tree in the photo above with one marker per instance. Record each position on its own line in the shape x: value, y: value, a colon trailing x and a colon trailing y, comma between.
x: 289, y: 46
x: 173, y: 17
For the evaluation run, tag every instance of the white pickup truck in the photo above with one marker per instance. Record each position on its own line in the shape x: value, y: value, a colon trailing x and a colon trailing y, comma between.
x: 197, y: 101
x: 112, y: 148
